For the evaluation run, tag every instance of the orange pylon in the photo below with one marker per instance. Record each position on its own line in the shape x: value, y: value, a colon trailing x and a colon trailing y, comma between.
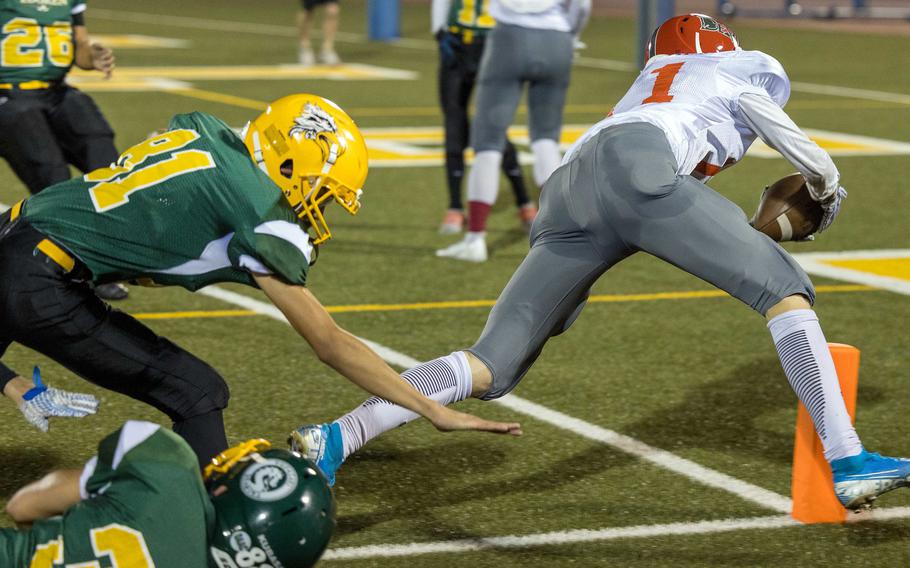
x: 812, y: 486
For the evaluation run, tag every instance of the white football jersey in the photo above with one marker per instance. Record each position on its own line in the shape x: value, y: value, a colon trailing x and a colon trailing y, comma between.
x: 694, y: 98
x: 535, y: 14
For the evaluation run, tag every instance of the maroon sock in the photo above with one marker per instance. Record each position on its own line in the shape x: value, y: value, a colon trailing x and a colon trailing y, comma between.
x: 478, y: 212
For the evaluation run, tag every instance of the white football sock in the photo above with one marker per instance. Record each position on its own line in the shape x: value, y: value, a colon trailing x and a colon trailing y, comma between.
x: 809, y: 367
x: 445, y: 380
x: 546, y: 159
x: 483, y: 179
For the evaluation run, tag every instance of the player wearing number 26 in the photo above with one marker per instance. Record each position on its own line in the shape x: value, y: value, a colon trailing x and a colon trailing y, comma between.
x: 45, y: 124
x: 141, y: 502
x: 193, y: 206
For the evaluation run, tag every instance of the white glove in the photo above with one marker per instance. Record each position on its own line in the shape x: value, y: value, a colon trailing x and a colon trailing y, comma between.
x: 42, y: 402
x: 832, y: 208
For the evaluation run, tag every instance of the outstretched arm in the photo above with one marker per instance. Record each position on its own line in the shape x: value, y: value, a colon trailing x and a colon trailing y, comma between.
x: 778, y: 131
x: 358, y: 363
x: 51, y: 495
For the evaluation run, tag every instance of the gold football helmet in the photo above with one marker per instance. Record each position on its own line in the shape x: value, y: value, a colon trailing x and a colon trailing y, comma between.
x: 314, y: 152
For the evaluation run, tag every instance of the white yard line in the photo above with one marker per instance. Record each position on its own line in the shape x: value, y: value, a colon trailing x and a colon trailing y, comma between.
x: 661, y: 458
x: 428, y: 44
x: 813, y: 263
x: 588, y: 535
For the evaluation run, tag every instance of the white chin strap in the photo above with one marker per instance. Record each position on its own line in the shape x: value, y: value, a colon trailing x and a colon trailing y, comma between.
x: 257, y: 153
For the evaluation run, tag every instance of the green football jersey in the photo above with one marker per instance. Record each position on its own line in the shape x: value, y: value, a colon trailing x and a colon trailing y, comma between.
x: 471, y: 15
x: 36, y: 39
x: 188, y: 208
x: 143, y: 505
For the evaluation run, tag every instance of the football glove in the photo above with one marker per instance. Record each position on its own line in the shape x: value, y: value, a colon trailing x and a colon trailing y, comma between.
x: 42, y: 402
x: 832, y: 208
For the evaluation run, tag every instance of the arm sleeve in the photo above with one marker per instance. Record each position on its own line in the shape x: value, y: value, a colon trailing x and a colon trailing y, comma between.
x: 439, y: 15
x: 777, y: 130
x: 579, y: 12
x: 283, y: 249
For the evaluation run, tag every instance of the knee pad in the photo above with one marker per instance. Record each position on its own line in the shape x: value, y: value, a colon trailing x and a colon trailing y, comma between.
x: 198, y: 389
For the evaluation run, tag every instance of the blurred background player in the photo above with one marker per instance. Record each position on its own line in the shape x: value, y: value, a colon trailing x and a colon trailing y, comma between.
x: 460, y: 27
x: 634, y: 182
x: 193, y: 206
x: 141, y: 502
x: 330, y: 15
x: 45, y: 124
x: 531, y: 44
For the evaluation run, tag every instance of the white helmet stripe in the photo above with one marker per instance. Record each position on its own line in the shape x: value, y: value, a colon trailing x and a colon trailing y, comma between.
x: 257, y: 152
x: 333, y: 156
x: 697, y: 43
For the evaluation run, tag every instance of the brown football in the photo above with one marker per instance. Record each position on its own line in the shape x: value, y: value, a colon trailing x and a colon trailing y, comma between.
x: 787, y: 211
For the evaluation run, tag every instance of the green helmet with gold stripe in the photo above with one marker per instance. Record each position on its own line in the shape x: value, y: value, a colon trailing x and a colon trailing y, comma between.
x: 273, y: 508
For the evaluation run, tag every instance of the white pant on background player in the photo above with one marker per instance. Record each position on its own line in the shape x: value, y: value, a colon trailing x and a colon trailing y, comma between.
x: 630, y: 184
x: 530, y: 45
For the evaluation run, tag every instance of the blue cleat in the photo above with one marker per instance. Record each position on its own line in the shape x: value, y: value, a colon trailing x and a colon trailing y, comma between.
x: 860, y: 479
x: 320, y: 443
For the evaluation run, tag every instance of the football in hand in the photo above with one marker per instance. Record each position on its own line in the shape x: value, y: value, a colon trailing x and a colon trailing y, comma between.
x: 787, y: 211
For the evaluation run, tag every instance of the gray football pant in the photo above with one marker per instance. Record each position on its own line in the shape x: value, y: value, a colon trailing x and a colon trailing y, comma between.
x: 619, y: 195
x: 514, y: 56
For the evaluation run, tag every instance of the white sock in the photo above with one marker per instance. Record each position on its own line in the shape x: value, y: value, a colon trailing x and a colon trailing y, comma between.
x: 445, y: 380
x: 809, y: 367
x: 483, y: 179
x: 546, y: 159
x: 475, y: 236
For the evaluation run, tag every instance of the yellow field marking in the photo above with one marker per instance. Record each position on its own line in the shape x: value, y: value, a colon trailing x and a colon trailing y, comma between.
x: 358, y: 112
x: 839, y: 104
x: 138, y: 41
x: 885, y: 269
x: 891, y: 267
x: 461, y: 304
x: 153, y: 75
x: 194, y: 314
x: 212, y: 96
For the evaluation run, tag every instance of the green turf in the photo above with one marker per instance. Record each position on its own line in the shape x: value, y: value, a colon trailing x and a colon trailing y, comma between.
x: 698, y: 378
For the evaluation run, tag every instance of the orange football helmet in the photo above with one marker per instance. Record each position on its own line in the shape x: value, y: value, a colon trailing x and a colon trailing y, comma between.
x: 314, y: 152
x: 691, y: 33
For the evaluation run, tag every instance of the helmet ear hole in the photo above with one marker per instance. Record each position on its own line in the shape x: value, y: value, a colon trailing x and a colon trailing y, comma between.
x: 287, y: 168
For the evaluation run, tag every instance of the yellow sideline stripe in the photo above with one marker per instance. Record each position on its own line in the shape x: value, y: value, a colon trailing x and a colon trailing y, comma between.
x: 213, y: 96
x: 244, y: 102
x: 194, y: 314
x: 603, y: 298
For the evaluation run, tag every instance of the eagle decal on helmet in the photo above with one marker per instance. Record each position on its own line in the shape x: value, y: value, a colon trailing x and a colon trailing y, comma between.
x: 313, y: 123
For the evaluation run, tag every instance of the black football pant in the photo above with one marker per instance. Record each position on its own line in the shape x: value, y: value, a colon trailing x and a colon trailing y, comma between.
x: 458, y: 65
x: 56, y: 313
x: 42, y: 131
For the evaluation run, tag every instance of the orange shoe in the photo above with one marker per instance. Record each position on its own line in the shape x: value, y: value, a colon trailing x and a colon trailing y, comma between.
x: 452, y: 223
x: 526, y: 215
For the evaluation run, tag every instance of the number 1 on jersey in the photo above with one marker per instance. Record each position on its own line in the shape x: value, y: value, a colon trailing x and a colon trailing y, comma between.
x: 661, y: 91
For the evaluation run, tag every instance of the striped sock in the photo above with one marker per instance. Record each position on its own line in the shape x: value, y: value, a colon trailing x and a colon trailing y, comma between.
x: 446, y: 380
x: 807, y: 363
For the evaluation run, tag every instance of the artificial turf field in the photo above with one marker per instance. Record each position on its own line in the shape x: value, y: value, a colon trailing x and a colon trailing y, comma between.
x: 655, y: 359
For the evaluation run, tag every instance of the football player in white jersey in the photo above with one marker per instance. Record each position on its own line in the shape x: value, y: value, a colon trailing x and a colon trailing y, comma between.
x: 633, y: 183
